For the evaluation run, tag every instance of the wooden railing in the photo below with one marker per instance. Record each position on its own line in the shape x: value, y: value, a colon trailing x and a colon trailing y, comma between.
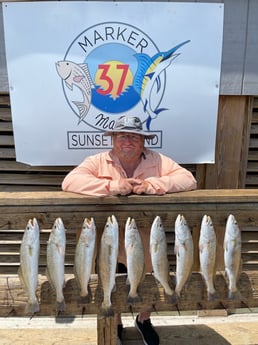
x: 16, y: 208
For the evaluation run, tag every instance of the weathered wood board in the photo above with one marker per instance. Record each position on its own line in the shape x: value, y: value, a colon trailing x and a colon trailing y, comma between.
x: 194, y: 297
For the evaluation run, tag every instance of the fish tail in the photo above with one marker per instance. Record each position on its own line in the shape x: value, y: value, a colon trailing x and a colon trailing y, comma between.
x: 234, y: 295
x: 159, y: 110
x: 106, y: 311
x: 172, y: 299
x: 212, y: 296
x: 32, y: 307
x: 83, y: 110
x: 135, y: 299
x: 60, y: 306
x: 84, y: 299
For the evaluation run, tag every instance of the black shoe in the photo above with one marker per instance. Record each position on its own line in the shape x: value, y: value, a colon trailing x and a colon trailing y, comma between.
x: 119, y: 334
x: 148, y: 333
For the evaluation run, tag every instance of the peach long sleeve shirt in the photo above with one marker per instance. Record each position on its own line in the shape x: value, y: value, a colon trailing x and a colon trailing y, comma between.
x: 98, y: 175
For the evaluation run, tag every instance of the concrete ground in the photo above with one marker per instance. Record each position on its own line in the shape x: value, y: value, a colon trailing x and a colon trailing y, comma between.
x: 236, y: 329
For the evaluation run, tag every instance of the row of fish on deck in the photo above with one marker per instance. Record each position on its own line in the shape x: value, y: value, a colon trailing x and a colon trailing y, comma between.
x: 108, y: 253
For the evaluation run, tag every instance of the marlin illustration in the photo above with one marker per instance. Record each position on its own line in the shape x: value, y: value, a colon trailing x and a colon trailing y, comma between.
x: 78, y: 75
x: 148, y: 75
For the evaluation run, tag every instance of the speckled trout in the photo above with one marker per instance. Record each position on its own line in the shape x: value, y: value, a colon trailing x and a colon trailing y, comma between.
x: 55, y: 262
x: 29, y: 259
x: 134, y: 258
x: 107, y: 263
x: 159, y: 259
x: 83, y: 261
x: 207, y: 254
x: 232, y: 255
x: 184, y: 252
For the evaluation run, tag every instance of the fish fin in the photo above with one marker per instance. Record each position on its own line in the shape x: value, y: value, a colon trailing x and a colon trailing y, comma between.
x: 32, y: 307
x: 212, y: 296
x: 172, y: 299
x: 20, y: 274
x: 76, y: 278
x: 234, y: 295
x: 84, y: 299
x: 145, y: 105
x: 159, y: 110
x: 78, y: 78
x: 135, y: 299
x: 30, y: 250
x: 106, y: 311
x: 148, y: 122
x: 158, y: 83
x: 149, y: 75
x: 60, y: 306
x: 60, y: 249
x: 129, y: 249
x: 127, y: 281
x: 83, y: 110
x: 49, y: 279
x: 87, y: 72
x: 70, y: 86
x: 143, y: 274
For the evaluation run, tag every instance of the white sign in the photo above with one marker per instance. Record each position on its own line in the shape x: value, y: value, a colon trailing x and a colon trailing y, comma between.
x: 75, y: 67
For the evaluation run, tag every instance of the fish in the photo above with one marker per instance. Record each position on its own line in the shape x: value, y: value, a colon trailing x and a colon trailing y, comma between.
x: 29, y: 260
x: 78, y: 75
x: 159, y: 259
x: 147, y: 80
x: 232, y: 255
x: 184, y: 252
x: 107, y: 263
x: 83, y: 261
x: 134, y: 259
x: 207, y: 254
x: 56, y: 246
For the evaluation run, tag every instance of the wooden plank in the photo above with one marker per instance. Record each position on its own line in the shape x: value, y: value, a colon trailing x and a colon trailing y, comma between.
x: 253, y: 143
x: 208, y: 196
x: 5, y: 99
x: 32, y: 179
x: 7, y: 153
x: 6, y: 165
x: 6, y: 140
x: 6, y: 127
x: 230, y: 159
x: 13, y: 297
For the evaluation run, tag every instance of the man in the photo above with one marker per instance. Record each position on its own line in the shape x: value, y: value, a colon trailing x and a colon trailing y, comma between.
x: 128, y: 168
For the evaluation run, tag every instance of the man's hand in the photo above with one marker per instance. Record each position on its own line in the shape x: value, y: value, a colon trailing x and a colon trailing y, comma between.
x: 141, y: 188
x: 126, y: 185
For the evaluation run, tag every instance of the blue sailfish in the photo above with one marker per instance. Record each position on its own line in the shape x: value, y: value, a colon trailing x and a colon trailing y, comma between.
x: 148, y: 75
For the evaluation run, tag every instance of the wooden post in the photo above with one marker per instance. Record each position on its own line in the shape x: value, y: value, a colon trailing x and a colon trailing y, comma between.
x: 106, y: 330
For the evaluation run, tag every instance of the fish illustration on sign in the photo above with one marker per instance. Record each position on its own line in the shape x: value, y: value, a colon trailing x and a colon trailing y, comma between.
x: 147, y: 80
x: 78, y: 75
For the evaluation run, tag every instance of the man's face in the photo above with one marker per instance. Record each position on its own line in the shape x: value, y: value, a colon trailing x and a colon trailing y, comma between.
x: 128, y: 145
